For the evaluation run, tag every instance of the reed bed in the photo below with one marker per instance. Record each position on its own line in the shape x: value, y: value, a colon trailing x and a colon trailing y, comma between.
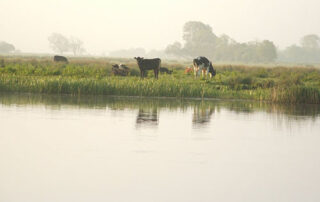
x: 82, y: 77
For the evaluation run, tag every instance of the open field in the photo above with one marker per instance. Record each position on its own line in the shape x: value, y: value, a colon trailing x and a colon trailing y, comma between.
x: 93, y: 76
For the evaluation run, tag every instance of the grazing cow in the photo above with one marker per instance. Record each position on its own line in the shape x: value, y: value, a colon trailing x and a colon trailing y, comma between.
x: 165, y: 70
x: 58, y: 58
x: 122, y: 66
x: 115, y: 66
x: 120, y: 70
x: 148, y: 64
x: 204, y: 65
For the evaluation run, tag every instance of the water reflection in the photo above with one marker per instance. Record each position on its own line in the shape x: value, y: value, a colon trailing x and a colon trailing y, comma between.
x: 202, y: 114
x: 150, y: 108
x: 147, y: 116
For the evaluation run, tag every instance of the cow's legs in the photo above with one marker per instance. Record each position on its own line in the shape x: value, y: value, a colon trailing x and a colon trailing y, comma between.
x: 195, y: 70
x: 156, y: 73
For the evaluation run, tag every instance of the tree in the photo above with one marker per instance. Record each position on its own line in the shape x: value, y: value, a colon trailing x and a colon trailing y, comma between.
x: 6, y: 47
x: 199, y: 39
x: 311, y: 41
x: 76, y: 46
x: 59, y: 43
x: 293, y: 53
x: 224, y: 48
x: 267, y: 51
x: 174, y: 49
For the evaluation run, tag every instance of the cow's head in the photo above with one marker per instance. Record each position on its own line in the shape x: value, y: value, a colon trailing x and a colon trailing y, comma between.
x: 138, y: 58
x: 212, y: 70
x: 213, y: 73
x: 116, y: 66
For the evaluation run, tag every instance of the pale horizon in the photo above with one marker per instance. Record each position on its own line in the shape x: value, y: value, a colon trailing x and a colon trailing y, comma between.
x: 105, y: 26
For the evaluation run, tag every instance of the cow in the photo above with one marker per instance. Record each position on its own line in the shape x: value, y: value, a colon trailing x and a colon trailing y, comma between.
x: 120, y: 70
x: 148, y: 64
x: 204, y: 65
x: 122, y: 66
x: 165, y: 70
x: 58, y: 58
x: 115, y: 66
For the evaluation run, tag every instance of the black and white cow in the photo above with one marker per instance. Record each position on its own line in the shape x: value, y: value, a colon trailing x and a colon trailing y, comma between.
x: 122, y: 66
x: 204, y: 65
x: 148, y: 64
x: 120, y: 70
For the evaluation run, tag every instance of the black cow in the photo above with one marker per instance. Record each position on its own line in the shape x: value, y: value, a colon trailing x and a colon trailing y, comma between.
x: 204, y: 65
x: 148, y: 64
x: 58, y: 58
x: 165, y: 70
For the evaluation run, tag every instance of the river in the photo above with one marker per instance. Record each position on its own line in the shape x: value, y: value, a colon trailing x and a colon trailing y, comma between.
x: 118, y: 149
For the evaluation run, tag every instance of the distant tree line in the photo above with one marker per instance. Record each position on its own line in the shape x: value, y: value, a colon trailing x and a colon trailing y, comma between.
x: 199, y: 39
x: 307, y: 52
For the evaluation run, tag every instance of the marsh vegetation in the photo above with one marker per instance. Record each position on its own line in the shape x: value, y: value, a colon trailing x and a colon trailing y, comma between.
x: 94, y: 76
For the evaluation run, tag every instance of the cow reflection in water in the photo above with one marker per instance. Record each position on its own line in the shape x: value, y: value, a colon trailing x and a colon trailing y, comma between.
x: 202, y: 115
x: 148, y: 116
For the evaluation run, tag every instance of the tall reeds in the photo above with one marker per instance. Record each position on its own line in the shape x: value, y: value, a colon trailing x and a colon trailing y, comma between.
x: 275, y: 84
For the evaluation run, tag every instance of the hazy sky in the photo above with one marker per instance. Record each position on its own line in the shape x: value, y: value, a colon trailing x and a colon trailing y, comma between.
x: 106, y: 25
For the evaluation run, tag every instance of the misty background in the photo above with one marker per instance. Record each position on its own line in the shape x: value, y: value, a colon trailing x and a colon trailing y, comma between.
x: 253, y: 31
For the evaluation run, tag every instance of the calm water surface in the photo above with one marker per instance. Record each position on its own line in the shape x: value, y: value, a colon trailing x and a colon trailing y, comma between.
x: 98, y: 149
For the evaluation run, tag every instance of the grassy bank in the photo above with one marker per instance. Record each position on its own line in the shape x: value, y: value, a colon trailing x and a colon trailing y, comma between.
x: 275, y: 84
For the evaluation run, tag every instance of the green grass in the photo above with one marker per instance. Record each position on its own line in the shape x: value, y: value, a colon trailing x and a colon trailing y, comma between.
x: 93, y: 76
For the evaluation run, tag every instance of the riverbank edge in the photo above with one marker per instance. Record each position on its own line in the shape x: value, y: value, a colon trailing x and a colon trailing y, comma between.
x: 156, y: 89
